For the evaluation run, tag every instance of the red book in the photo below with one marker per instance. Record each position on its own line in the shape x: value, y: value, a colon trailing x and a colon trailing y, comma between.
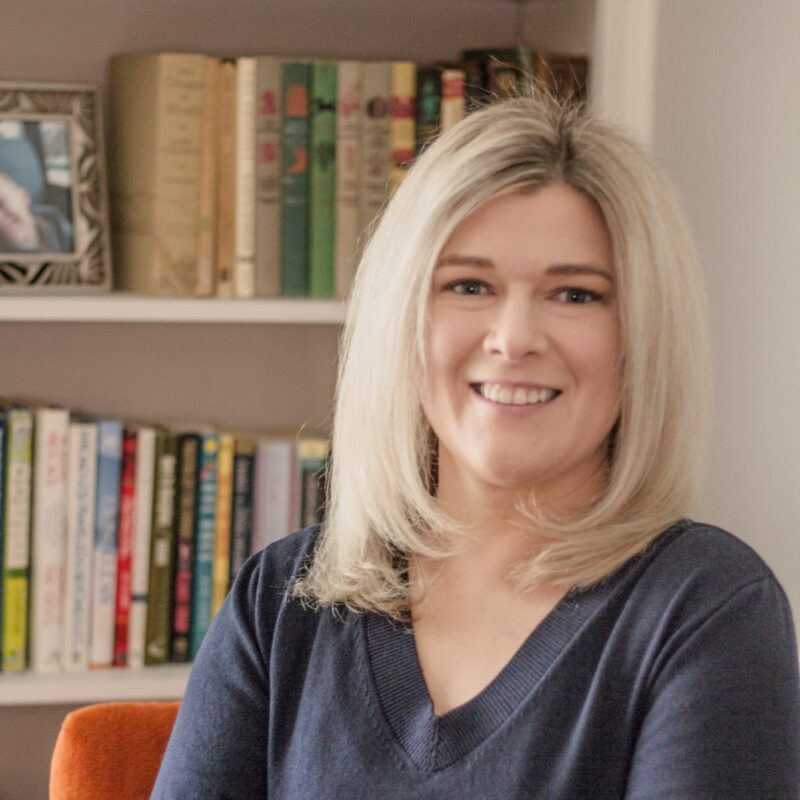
x: 125, y: 528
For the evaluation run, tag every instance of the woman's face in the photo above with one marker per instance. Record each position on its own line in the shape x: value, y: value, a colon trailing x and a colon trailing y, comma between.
x: 523, y: 298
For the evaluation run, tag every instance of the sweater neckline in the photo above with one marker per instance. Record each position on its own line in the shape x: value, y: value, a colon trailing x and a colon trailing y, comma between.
x: 434, y: 742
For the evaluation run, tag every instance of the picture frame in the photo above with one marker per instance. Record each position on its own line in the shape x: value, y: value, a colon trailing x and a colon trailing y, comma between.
x: 54, y: 222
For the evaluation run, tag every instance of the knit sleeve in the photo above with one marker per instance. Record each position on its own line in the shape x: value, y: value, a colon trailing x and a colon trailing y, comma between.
x: 723, y: 718
x: 218, y: 748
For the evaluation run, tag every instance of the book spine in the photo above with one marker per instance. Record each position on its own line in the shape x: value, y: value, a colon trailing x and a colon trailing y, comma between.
x: 244, y: 269
x: 428, y: 105
x: 145, y: 465
x: 294, y: 175
x: 276, y: 484
x: 206, y: 278
x: 242, y: 513
x: 125, y: 531
x: 16, y: 561
x: 268, y: 177
x: 322, y: 178
x: 403, y: 126
x: 158, y: 640
x: 48, y: 539
x: 222, y: 541
x: 186, y: 500
x: 81, y: 508
x: 156, y: 130
x: 205, y: 528
x: 454, y: 104
x: 312, y: 455
x: 3, y: 424
x: 104, y: 579
x: 376, y: 145
x: 226, y: 178
x: 349, y: 126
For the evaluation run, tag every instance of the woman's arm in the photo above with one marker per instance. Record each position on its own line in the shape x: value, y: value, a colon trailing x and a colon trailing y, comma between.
x: 723, y: 722
x: 218, y: 747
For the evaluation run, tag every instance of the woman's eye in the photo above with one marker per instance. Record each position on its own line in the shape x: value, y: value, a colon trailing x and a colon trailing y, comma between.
x: 470, y: 287
x: 579, y: 296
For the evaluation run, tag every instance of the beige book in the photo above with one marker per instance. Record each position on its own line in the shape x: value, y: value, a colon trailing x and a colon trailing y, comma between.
x: 226, y: 179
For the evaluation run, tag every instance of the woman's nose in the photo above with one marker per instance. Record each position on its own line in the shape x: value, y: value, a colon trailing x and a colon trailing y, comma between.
x: 516, y: 330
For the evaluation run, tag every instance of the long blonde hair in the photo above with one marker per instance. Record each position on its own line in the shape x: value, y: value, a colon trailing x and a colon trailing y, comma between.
x: 381, y: 507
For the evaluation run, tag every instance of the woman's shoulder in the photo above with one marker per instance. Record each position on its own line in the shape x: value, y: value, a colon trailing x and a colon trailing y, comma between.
x: 284, y: 559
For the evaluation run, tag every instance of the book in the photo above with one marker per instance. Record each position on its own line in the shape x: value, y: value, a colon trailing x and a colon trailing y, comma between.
x: 312, y: 457
x: 276, y: 491
x: 322, y: 178
x: 81, y: 510
x: 376, y: 148
x: 244, y: 266
x: 226, y: 177
x: 125, y: 530
x: 16, y: 536
x: 205, y: 529
x: 454, y: 100
x: 154, y: 156
x: 402, y: 130
x: 3, y: 423
x: 143, y: 525
x: 294, y: 177
x: 48, y: 538
x: 428, y: 105
x: 158, y: 636
x: 183, y: 559
x: 242, y: 511
x: 349, y: 134
x: 104, y: 573
x: 268, y: 177
x: 503, y: 71
x: 224, y: 520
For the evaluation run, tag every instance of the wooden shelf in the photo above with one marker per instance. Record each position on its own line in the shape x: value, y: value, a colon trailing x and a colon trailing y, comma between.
x: 123, y: 307
x: 94, y: 686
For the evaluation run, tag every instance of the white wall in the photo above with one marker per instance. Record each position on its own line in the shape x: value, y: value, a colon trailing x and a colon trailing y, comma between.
x: 727, y: 127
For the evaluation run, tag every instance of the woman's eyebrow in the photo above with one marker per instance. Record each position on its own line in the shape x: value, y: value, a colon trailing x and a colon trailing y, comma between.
x: 554, y: 269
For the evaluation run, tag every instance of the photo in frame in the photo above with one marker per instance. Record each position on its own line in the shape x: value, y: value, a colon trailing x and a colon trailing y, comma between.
x: 54, y: 235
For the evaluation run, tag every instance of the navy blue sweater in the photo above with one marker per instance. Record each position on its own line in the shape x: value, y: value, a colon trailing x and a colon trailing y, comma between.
x: 676, y: 679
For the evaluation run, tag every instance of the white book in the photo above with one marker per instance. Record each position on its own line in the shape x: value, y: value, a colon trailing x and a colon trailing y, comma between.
x: 276, y: 486
x: 244, y: 270
x: 349, y: 125
x: 48, y: 538
x: 81, y: 488
x: 140, y: 557
x: 376, y: 154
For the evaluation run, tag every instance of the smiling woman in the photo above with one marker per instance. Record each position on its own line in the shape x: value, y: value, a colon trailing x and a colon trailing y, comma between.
x: 506, y: 599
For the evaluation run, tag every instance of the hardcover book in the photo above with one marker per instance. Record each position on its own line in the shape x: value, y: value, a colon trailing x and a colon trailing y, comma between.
x: 242, y: 515
x: 244, y: 268
x: 222, y: 538
x: 226, y: 177
x: 428, y: 105
x: 402, y: 131
x: 376, y: 147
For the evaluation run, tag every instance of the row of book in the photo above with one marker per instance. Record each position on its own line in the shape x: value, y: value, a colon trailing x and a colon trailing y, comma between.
x: 120, y: 540
x: 257, y: 176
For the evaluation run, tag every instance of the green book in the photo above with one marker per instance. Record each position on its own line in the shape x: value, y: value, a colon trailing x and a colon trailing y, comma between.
x: 429, y: 105
x: 322, y: 179
x: 294, y: 178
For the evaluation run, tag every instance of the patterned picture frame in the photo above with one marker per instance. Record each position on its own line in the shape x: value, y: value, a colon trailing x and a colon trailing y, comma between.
x: 54, y: 229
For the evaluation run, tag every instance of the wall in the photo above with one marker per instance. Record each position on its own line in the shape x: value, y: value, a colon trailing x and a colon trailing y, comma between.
x: 727, y: 127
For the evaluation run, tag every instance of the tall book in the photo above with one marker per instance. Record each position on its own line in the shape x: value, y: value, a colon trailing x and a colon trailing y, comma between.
x: 242, y: 511
x: 402, y: 131
x: 276, y: 487
x: 224, y: 519
x: 3, y: 422
x: 349, y: 125
x: 205, y: 530
x: 268, y: 177
x: 143, y: 521
x: 48, y: 538
x: 322, y: 178
x: 156, y: 128
x: 158, y: 636
x: 185, y: 520
x: 226, y: 177
x: 294, y: 176
x: 81, y: 509
x: 312, y: 456
x: 125, y: 532
x: 428, y: 106
x: 244, y: 267
x: 504, y: 71
x: 376, y: 145
x: 104, y: 573
x: 16, y: 536
x: 454, y: 100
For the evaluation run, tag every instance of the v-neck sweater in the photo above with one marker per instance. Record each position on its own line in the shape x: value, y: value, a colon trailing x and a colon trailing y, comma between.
x: 675, y: 678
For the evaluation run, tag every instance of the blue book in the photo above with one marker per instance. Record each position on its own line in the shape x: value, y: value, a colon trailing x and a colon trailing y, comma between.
x: 104, y: 573
x: 205, y: 531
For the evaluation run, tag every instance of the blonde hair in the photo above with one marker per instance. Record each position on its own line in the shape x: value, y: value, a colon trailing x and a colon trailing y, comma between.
x: 381, y: 508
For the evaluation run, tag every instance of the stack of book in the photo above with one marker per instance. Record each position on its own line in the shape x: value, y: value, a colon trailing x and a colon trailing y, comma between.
x: 258, y: 176
x: 120, y: 540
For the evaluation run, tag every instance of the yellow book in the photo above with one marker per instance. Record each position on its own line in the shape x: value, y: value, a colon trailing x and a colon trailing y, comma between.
x: 402, y: 131
x: 222, y: 540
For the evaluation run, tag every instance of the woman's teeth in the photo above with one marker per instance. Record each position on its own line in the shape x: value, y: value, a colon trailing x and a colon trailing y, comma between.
x: 515, y: 397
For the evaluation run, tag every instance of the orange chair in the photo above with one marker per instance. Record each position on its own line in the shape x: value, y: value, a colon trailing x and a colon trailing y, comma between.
x: 111, y: 751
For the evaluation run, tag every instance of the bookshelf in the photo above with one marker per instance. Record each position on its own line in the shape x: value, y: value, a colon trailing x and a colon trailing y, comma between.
x: 252, y: 364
